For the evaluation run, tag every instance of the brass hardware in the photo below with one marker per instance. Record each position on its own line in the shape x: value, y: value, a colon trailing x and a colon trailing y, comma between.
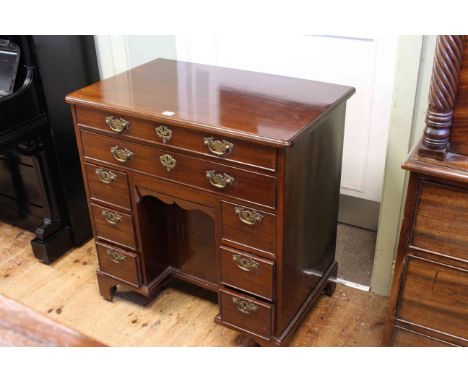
x: 244, y: 263
x: 218, y: 147
x: 244, y: 306
x: 219, y: 180
x: 168, y: 162
x: 117, y: 125
x: 249, y: 217
x: 164, y: 133
x: 111, y: 217
x: 115, y: 256
x: 121, y: 154
x: 105, y: 176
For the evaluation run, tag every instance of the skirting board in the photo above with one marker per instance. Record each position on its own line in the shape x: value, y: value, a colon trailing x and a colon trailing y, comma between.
x: 359, y: 212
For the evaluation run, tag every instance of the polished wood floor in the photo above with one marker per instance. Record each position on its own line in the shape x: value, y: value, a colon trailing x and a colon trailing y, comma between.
x: 180, y: 316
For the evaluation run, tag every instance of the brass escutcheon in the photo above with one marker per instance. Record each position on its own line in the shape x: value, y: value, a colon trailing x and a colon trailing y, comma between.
x: 117, y: 125
x: 111, y: 216
x: 244, y: 306
x: 121, y: 154
x: 115, y: 256
x: 218, y: 147
x: 164, y: 133
x: 168, y: 162
x: 105, y: 176
x: 249, y: 217
x: 219, y: 180
x: 244, y: 263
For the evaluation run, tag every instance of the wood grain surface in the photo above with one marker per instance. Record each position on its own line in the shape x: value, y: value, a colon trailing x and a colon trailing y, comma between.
x: 115, y: 193
x: 256, y: 106
x: 187, y: 140
x: 434, y: 222
x: 22, y: 326
x: 247, y: 185
x: 435, y: 296
x: 67, y: 291
x: 247, y: 273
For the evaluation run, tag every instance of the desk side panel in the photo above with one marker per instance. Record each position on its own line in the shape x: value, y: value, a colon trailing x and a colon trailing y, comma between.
x: 311, y: 197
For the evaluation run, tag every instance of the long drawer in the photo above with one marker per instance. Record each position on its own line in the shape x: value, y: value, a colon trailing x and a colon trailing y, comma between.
x: 227, y: 149
x: 434, y: 225
x: 237, y: 183
x: 407, y: 338
x: 435, y: 296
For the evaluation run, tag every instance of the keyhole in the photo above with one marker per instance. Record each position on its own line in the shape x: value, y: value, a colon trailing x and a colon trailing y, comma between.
x: 180, y: 232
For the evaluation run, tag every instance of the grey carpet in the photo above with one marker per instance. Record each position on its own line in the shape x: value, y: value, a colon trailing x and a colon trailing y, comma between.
x: 355, y: 249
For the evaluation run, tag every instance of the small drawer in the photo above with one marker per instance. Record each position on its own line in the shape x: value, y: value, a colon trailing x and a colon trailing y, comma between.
x: 249, y: 227
x: 108, y: 186
x: 214, y: 177
x: 119, y: 264
x: 246, y: 312
x: 249, y: 273
x: 210, y: 145
x: 113, y: 226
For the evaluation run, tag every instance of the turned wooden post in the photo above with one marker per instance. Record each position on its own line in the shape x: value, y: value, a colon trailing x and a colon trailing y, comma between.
x: 442, y: 95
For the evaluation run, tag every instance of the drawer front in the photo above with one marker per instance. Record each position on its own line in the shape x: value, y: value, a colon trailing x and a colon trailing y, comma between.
x: 250, y: 227
x: 107, y: 185
x: 250, y: 273
x: 211, y: 176
x: 227, y: 149
x: 114, y: 226
x: 441, y: 223
x: 120, y: 264
x: 245, y: 312
x: 436, y: 297
x: 407, y: 338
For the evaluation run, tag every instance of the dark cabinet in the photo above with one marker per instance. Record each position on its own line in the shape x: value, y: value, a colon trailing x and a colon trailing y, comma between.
x: 41, y: 187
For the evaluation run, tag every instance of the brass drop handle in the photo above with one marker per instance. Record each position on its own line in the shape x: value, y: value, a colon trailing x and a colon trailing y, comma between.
x: 117, y: 125
x: 111, y: 217
x: 115, y: 256
x: 244, y: 263
x: 219, y: 180
x: 217, y: 147
x: 244, y: 306
x: 121, y: 154
x: 164, y: 133
x: 249, y: 217
x: 168, y: 162
x: 105, y: 176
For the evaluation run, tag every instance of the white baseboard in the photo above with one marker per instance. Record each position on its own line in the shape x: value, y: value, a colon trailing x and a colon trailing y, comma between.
x: 350, y: 284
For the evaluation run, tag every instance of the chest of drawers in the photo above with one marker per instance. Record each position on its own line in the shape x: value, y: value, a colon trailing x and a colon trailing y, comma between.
x: 223, y: 178
x: 429, y: 296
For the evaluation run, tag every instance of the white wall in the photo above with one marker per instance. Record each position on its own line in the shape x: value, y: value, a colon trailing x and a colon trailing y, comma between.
x: 119, y: 53
x: 367, y: 63
x: 414, y: 68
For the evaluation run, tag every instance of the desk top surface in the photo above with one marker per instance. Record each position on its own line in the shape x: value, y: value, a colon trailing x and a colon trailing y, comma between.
x: 259, y: 106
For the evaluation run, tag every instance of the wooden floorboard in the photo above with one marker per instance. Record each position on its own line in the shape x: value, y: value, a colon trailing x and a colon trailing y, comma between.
x: 183, y: 315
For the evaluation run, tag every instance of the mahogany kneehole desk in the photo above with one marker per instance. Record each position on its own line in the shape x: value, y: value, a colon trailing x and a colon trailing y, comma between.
x: 226, y: 179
